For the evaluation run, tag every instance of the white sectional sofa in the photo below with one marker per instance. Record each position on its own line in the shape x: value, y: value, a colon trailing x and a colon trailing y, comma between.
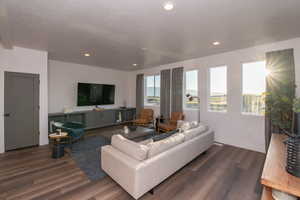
x: 138, y: 168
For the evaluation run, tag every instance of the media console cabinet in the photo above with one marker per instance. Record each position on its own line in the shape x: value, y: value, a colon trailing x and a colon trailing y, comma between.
x: 95, y: 119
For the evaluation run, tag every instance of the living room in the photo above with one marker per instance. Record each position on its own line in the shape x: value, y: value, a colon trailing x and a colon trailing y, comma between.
x: 165, y: 64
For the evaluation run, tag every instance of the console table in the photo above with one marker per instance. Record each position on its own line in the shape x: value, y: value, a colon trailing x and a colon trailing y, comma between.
x: 95, y: 118
x: 274, y: 175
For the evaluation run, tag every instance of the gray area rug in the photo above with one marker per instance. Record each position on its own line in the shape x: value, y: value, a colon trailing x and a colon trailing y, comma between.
x: 87, y: 155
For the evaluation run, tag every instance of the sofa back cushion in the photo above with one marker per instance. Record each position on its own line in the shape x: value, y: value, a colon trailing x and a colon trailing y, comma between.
x: 132, y: 149
x: 160, y: 146
x: 194, y: 132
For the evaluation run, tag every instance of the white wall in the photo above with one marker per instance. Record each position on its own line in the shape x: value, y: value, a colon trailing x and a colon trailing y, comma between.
x: 63, y: 79
x: 25, y: 61
x: 232, y: 127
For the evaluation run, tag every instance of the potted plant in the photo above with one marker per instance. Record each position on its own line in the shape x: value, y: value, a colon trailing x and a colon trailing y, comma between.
x: 293, y: 142
x: 286, y: 120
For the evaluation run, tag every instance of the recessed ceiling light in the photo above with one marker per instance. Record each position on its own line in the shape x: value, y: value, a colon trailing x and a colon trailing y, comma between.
x: 144, y: 49
x: 135, y: 65
x: 87, y: 54
x: 216, y: 43
x: 168, y: 5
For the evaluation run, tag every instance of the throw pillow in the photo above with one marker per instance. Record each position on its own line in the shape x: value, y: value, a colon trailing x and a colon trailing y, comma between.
x: 190, y: 134
x: 194, y: 124
x: 185, y: 126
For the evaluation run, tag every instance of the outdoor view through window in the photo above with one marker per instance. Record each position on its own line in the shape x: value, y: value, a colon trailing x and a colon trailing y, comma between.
x: 152, y: 92
x: 191, y: 89
x: 254, y: 86
x: 218, y: 89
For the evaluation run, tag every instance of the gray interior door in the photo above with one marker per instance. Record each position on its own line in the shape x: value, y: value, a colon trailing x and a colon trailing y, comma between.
x: 21, y: 110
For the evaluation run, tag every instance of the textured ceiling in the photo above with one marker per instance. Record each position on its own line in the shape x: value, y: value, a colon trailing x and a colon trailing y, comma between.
x: 116, y: 32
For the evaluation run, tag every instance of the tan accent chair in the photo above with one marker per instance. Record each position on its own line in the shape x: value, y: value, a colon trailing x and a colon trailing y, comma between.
x: 145, y: 118
x: 171, y: 124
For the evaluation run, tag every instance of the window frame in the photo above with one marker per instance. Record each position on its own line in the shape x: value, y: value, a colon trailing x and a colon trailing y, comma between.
x: 145, y: 90
x: 184, y: 89
x: 241, y: 89
x: 209, y: 89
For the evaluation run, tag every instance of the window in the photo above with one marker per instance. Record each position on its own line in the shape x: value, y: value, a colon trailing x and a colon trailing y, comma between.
x: 254, y: 86
x: 217, y: 101
x: 152, y: 90
x: 191, y: 99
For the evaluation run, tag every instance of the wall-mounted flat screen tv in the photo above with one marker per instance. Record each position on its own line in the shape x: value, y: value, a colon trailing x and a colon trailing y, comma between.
x: 95, y: 94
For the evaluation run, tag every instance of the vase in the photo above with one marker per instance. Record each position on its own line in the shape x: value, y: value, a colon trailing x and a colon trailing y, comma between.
x: 293, y: 155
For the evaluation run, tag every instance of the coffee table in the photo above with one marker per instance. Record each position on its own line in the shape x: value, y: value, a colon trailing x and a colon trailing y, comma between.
x: 136, y: 133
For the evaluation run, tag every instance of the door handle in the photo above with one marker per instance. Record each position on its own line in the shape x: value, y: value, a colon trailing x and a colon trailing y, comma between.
x: 7, y: 115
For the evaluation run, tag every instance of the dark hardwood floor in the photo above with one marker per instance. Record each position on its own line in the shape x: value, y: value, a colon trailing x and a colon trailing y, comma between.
x: 223, y: 173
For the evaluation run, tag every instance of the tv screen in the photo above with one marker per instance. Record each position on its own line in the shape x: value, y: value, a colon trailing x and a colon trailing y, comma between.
x: 95, y: 94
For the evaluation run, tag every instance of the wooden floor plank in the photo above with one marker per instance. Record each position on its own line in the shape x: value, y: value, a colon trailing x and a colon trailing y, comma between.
x: 224, y: 172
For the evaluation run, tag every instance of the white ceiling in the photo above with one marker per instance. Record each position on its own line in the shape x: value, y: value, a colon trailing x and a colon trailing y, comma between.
x: 116, y: 31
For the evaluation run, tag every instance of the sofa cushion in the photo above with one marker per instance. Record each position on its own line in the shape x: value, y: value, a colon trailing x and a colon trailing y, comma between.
x: 132, y: 149
x: 158, y: 147
x: 194, y: 132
